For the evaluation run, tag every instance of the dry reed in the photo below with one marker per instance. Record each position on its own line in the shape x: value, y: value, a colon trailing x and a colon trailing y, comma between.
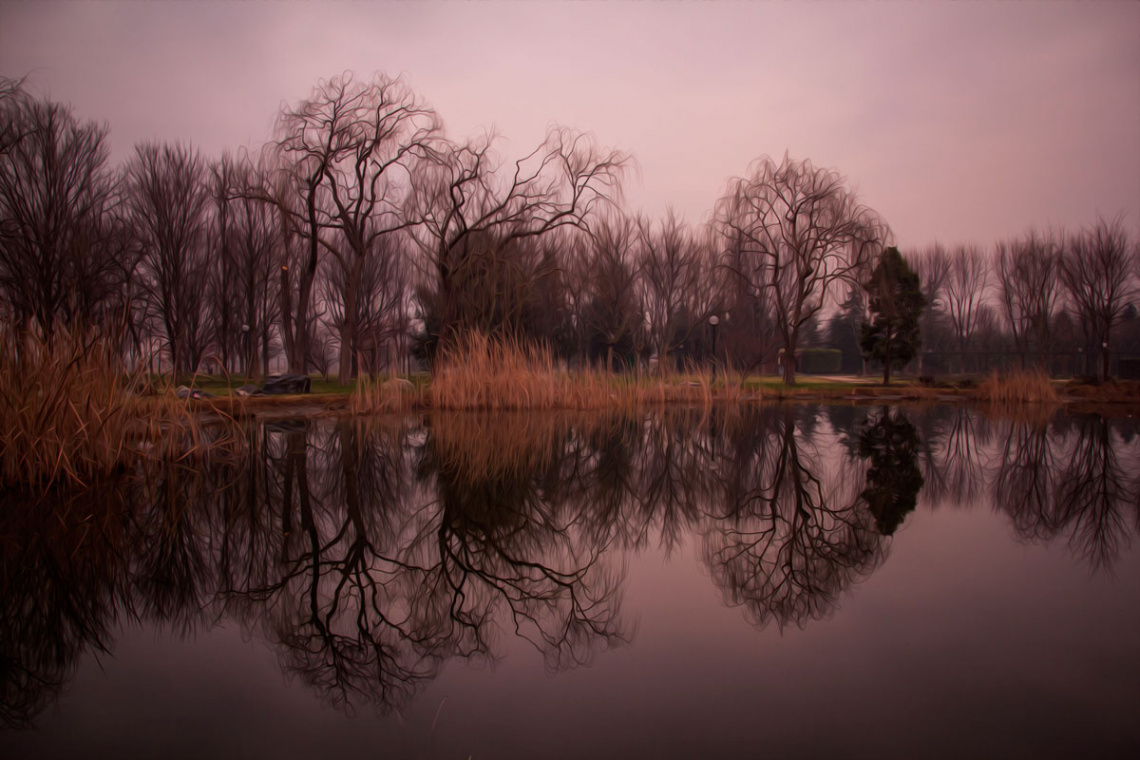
x: 484, y: 374
x: 70, y: 411
x: 1018, y: 387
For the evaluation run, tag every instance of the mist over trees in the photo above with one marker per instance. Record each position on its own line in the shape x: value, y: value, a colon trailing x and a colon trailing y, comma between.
x: 363, y: 238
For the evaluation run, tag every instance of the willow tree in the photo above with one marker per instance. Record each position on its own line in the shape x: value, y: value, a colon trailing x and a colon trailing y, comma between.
x: 349, y: 150
x: 795, y: 230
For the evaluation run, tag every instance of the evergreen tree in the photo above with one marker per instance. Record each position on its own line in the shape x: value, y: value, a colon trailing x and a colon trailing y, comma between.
x: 892, y: 337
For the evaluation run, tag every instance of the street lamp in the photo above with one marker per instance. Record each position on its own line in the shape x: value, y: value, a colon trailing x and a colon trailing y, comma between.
x: 247, y: 347
x: 714, y: 320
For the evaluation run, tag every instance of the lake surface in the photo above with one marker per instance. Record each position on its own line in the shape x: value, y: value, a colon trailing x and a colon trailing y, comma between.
x: 808, y: 581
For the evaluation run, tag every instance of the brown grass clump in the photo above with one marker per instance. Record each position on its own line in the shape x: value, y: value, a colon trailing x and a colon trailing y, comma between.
x: 1022, y: 386
x: 63, y: 409
x: 69, y: 411
x: 485, y: 374
x: 480, y: 373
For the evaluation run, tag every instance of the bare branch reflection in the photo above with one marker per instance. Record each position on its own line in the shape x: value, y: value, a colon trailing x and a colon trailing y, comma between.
x: 792, y: 539
x: 369, y: 553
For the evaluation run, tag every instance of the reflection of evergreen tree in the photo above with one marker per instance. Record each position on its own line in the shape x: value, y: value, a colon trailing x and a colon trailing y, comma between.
x: 893, y: 480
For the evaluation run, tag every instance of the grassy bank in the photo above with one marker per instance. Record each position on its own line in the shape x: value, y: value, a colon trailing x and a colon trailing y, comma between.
x: 487, y: 380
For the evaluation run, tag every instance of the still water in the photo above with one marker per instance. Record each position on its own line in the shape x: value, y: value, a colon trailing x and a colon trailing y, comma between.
x: 785, y: 581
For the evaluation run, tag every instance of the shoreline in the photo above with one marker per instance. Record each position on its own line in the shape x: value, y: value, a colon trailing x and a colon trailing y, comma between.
x: 1116, y: 400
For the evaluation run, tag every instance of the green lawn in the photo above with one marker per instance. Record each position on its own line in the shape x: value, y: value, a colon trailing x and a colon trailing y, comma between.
x: 220, y: 385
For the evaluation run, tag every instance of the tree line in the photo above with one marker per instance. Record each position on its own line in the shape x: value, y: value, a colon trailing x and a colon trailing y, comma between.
x: 363, y: 235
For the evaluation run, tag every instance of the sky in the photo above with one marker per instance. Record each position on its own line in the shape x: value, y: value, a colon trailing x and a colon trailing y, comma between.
x: 957, y: 122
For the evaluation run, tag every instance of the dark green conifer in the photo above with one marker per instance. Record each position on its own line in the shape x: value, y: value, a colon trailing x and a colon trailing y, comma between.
x: 892, y: 336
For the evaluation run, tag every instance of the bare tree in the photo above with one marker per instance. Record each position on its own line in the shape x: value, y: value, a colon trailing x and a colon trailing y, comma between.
x: 1029, y: 288
x: 966, y: 294
x: 1096, y: 269
x: 353, y: 143
x: 463, y: 199
x: 12, y: 100
x: 613, y: 316
x: 246, y: 256
x: 799, y: 230
x: 381, y: 290
x: 168, y: 201
x: 62, y: 254
x: 675, y: 266
x: 749, y: 328
x: 933, y: 266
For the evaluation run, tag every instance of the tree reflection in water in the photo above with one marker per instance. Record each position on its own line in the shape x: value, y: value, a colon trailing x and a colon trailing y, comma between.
x: 893, y: 479
x: 791, y: 535
x: 1068, y: 479
x: 369, y: 553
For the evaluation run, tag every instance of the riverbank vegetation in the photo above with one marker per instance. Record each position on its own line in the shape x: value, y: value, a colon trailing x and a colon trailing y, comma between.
x: 363, y: 241
x: 71, y: 412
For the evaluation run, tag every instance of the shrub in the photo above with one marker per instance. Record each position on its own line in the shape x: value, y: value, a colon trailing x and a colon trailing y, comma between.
x: 1021, y: 386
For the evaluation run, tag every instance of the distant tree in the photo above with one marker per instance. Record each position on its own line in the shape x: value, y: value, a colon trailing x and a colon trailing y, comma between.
x: 674, y: 267
x: 380, y: 293
x: 63, y: 255
x: 246, y: 254
x: 168, y: 201
x: 748, y: 332
x: 966, y: 295
x: 933, y: 266
x: 892, y: 336
x: 845, y: 327
x: 504, y: 288
x: 796, y: 230
x: 613, y: 318
x: 1029, y: 288
x: 463, y: 201
x: 1097, y: 271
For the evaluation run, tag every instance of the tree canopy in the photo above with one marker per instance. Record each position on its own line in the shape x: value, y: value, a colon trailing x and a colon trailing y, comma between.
x: 892, y: 336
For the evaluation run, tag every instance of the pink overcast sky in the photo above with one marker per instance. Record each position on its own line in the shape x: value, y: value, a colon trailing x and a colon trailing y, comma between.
x: 963, y: 122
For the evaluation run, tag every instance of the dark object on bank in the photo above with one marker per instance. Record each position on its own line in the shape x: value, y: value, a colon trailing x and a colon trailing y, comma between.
x: 183, y: 392
x: 277, y: 385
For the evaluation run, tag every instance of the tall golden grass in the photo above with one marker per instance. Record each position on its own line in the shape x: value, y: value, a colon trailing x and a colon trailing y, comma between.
x: 1018, y: 387
x: 70, y: 411
x: 484, y: 374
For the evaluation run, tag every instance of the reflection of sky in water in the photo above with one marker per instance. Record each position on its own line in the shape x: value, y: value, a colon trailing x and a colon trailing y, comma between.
x: 971, y: 635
